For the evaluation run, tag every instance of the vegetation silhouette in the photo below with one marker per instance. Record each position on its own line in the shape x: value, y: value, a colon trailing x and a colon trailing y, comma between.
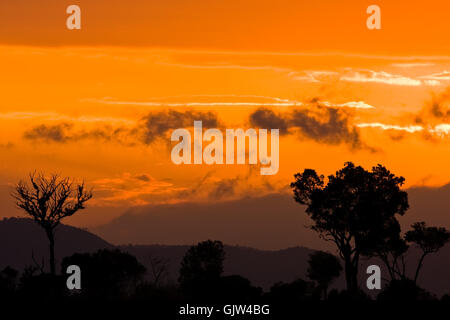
x: 48, y: 200
x: 427, y: 239
x: 355, y: 208
x: 201, y: 268
x: 323, y: 268
x: 201, y: 276
x: 293, y: 292
x: 8, y: 282
x: 107, y: 274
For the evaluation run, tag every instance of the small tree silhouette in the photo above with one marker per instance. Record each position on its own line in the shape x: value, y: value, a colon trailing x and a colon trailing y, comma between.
x: 323, y: 268
x: 428, y: 239
x: 201, y: 267
x: 159, y: 269
x: 48, y: 200
x: 356, y: 210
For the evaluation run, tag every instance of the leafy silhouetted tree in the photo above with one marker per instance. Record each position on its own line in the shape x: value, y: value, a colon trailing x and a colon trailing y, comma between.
x: 356, y: 210
x: 323, y: 268
x: 48, y: 200
x: 201, y: 268
x: 428, y: 239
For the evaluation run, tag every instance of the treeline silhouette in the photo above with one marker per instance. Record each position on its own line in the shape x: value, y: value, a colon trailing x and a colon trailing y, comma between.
x: 355, y: 208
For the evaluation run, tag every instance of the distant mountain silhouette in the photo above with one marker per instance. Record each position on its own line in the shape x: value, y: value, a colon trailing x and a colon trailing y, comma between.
x: 21, y: 237
x: 429, y: 204
x: 270, y: 222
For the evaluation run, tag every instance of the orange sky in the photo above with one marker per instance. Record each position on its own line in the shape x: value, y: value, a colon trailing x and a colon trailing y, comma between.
x: 77, y: 102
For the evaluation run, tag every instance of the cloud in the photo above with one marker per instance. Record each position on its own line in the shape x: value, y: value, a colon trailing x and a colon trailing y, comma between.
x: 432, y: 121
x: 146, y: 130
x: 435, y: 111
x: 334, y: 130
x: 144, y: 177
x: 210, y: 187
x: 66, y: 132
x: 441, y: 76
x: 441, y: 129
x: 412, y: 64
x: 321, y: 124
x: 350, y: 104
x: 385, y: 78
x: 280, y: 102
x: 131, y: 190
x: 410, y: 129
x: 53, y: 116
x: 312, y: 76
x: 366, y: 76
x: 268, y: 119
x: 246, y: 101
x: 157, y: 124
x: 53, y: 133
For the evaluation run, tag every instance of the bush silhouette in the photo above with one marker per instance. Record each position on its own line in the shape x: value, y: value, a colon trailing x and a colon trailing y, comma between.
x: 8, y: 282
x: 293, y: 292
x: 107, y: 274
x: 403, y: 290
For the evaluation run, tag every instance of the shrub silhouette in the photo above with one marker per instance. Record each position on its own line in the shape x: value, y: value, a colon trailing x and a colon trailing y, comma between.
x: 237, y: 289
x: 107, y: 274
x: 293, y: 292
x: 403, y: 290
x: 8, y: 282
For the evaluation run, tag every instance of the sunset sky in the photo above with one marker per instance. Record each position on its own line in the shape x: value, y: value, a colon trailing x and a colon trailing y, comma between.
x: 100, y: 103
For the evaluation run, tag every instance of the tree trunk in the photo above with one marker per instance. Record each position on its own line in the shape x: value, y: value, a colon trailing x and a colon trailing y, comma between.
x: 351, y: 275
x: 51, y: 239
x: 348, y: 274
x: 419, y: 266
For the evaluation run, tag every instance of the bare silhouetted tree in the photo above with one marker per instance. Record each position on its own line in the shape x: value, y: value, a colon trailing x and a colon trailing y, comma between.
x: 48, y: 200
x: 159, y: 269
